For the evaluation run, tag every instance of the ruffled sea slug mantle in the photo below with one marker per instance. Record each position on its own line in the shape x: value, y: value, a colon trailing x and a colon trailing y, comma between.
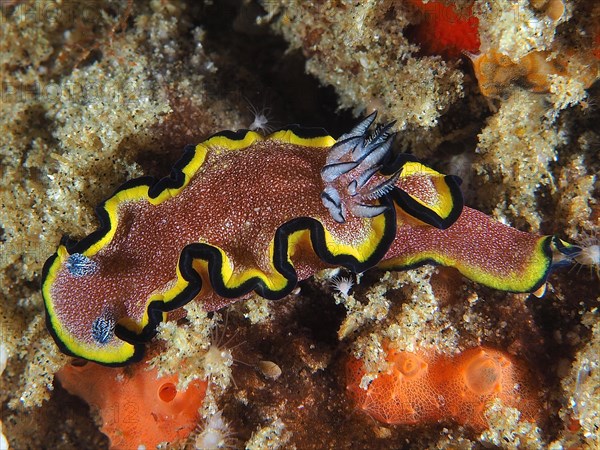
x: 244, y: 213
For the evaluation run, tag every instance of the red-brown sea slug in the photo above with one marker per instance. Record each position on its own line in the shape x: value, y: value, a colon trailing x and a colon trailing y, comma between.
x: 242, y: 213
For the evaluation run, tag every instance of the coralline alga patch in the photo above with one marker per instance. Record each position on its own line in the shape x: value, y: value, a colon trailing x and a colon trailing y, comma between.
x: 301, y: 202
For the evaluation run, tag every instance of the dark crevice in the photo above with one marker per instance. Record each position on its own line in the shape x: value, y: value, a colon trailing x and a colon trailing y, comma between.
x: 253, y: 63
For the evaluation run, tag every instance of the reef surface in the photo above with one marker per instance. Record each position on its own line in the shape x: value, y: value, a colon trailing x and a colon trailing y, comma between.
x: 98, y: 92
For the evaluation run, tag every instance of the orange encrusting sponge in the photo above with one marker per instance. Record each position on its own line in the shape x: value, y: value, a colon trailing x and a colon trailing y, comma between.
x: 136, y: 408
x: 426, y: 388
x: 495, y: 72
x: 444, y: 31
x: 404, y: 395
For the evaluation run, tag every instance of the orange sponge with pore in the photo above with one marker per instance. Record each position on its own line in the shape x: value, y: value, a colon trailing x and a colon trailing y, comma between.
x: 137, y: 408
x: 471, y: 380
x: 425, y: 388
x: 444, y: 30
x: 404, y: 394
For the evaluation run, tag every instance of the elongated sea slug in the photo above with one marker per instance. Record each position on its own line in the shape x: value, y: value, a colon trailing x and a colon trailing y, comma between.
x: 244, y: 213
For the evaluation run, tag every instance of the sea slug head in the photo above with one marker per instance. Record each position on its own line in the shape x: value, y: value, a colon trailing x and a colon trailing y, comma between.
x: 84, y: 307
